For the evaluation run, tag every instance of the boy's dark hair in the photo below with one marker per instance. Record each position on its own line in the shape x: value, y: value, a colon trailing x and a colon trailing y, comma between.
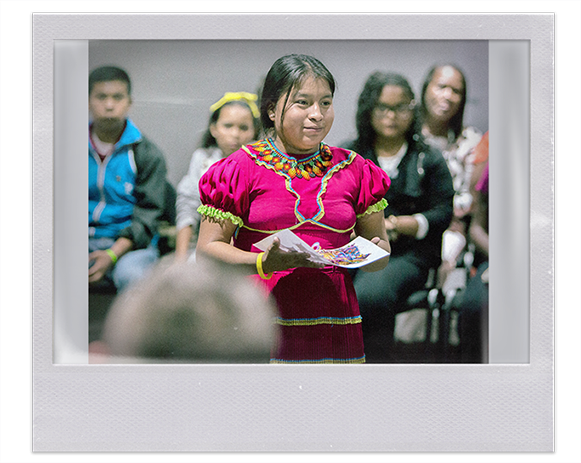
x: 107, y: 74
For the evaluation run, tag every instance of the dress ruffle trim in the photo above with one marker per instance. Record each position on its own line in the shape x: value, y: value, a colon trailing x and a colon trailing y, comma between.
x: 217, y: 215
x: 377, y: 207
x: 318, y: 321
x: 326, y: 360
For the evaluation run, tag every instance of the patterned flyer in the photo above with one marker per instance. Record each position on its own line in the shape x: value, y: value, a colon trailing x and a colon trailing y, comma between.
x: 357, y: 253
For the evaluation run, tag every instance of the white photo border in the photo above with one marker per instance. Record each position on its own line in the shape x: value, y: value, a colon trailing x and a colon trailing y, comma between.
x: 497, y: 407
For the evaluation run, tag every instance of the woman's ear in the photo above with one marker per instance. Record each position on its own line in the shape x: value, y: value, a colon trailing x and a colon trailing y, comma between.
x: 213, y: 129
x: 272, y: 113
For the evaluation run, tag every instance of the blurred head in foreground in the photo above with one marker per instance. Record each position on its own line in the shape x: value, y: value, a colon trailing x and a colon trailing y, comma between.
x: 191, y: 313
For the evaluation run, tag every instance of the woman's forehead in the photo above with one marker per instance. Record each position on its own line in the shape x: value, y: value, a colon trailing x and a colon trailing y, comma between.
x: 450, y: 75
x: 310, y: 83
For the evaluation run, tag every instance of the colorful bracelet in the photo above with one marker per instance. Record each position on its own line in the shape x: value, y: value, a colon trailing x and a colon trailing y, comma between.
x: 112, y: 255
x: 259, y: 267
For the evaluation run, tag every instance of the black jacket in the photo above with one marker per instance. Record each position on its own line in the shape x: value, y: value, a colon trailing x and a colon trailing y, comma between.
x: 423, y: 185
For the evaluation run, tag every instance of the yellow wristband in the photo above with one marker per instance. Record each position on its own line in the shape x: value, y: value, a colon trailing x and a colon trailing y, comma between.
x: 259, y: 267
x: 112, y: 255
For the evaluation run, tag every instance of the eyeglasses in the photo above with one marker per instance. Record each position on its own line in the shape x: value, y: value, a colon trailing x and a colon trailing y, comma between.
x: 402, y: 109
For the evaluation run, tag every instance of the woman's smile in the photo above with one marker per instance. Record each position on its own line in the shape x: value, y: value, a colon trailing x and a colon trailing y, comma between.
x: 303, y: 121
x: 313, y: 129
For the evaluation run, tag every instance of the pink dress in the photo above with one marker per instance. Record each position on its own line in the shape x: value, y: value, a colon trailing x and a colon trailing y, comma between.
x: 319, y: 198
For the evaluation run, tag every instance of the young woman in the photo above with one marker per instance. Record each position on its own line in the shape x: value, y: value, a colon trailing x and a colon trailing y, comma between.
x: 419, y: 205
x: 292, y: 180
x: 442, y: 113
x: 234, y: 122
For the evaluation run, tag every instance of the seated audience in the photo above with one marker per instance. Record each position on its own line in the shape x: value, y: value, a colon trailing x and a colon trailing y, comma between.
x: 443, y: 101
x: 473, y: 323
x: 419, y: 205
x: 234, y: 122
x: 127, y: 181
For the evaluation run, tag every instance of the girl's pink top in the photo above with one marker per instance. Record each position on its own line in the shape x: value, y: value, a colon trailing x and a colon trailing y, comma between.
x: 319, y: 197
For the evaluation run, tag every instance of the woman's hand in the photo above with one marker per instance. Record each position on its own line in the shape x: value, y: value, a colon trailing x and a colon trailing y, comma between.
x: 391, y: 227
x: 215, y: 241
x: 275, y: 259
x: 401, y: 225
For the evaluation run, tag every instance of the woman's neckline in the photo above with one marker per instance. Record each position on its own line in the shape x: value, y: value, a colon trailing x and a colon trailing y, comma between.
x: 298, y: 157
x: 386, y: 149
x: 391, y: 155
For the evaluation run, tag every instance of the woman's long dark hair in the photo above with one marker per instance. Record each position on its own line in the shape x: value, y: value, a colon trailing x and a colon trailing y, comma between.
x: 286, y: 73
x: 368, y: 99
x: 456, y: 123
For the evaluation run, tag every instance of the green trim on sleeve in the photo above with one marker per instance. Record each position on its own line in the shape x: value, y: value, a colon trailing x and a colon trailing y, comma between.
x: 377, y: 207
x: 217, y: 215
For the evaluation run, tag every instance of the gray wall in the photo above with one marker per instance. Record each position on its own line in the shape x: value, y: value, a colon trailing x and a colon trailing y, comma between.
x: 175, y: 82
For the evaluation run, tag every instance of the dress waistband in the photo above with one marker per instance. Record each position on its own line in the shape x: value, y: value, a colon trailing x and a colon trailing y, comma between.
x: 327, y: 269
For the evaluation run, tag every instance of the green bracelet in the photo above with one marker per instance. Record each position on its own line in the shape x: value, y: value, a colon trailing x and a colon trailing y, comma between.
x: 112, y: 255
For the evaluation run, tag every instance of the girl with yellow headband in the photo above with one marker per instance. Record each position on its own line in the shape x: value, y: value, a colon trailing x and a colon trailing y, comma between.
x: 234, y: 122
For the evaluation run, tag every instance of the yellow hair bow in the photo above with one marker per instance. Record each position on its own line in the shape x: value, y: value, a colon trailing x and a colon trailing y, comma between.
x: 248, y: 98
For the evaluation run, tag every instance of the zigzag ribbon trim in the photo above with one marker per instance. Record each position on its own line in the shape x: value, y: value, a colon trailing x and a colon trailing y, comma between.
x: 318, y: 321
x: 217, y: 215
x: 320, y: 361
x: 377, y: 207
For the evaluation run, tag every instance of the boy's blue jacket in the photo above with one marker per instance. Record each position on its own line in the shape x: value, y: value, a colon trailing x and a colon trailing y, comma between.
x: 127, y: 189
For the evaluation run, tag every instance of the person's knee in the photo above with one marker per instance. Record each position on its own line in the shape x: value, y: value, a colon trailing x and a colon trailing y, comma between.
x: 132, y: 267
x: 374, y: 291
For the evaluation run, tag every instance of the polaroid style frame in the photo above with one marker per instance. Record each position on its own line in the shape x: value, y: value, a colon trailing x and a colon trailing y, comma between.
x: 505, y: 406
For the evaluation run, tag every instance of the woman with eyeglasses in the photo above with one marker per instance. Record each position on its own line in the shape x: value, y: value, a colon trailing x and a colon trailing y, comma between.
x: 420, y: 205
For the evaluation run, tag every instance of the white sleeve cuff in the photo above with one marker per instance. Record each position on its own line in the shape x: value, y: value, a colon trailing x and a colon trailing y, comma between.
x: 423, y: 226
x: 184, y: 222
x: 463, y: 201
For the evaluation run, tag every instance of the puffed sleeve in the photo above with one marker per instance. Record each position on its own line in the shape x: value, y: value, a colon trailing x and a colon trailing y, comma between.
x: 374, y: 185
x: 224, y: 192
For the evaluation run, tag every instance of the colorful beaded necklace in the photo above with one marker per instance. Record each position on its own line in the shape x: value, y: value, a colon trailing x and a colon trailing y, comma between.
x: 314, y: 166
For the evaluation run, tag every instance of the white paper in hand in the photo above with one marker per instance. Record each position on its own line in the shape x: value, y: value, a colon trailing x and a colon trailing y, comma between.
x: 356, y: 253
